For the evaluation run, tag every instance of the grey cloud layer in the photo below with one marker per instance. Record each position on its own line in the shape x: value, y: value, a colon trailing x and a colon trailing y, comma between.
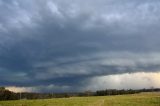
x: 65, y: 42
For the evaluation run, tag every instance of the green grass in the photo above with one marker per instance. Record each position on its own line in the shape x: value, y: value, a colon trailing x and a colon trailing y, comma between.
x: 142, y: 99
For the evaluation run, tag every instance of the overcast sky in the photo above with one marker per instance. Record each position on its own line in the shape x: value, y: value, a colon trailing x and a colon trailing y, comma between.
x: 76, y: 45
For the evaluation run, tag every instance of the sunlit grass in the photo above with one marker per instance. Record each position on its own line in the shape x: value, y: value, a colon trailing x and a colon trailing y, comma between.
x: 142, y: 99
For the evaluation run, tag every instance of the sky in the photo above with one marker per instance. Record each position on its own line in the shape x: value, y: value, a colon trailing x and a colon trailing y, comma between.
x: 76, y: 45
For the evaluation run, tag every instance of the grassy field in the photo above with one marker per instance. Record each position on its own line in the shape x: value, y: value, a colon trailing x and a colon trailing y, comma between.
x: 142, y: 99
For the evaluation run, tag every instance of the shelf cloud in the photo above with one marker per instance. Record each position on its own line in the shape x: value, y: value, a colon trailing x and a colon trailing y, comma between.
x: 62, y: 44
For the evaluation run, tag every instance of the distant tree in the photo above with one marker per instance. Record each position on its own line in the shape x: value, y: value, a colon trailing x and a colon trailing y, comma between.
x: 2, y: 88
x: 88, y: 93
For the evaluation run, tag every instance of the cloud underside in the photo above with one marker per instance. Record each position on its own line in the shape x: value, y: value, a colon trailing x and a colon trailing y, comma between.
x: 138, y: 80
x: 62, y: 44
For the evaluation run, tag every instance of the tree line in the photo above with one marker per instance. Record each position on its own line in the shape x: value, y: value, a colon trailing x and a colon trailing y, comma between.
x: 124, y: 91
x: 8, y: 95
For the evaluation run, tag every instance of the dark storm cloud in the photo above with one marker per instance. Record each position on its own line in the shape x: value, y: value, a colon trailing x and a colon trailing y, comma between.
x: 66, y: 42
